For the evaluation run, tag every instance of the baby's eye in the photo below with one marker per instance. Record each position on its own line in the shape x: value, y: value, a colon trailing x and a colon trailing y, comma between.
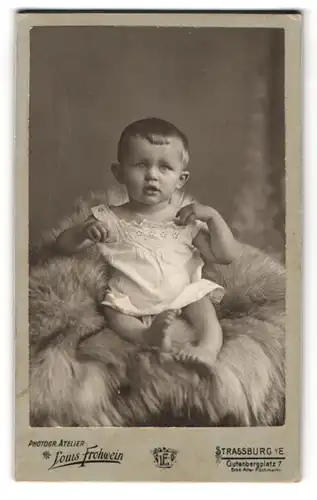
x: 140, y: 164
x: 164, y: 167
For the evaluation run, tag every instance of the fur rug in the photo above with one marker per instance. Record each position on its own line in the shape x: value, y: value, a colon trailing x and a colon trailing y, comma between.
x: 83, y: 374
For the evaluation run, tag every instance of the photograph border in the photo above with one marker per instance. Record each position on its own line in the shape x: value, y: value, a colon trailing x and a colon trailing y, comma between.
x: 196, y: 447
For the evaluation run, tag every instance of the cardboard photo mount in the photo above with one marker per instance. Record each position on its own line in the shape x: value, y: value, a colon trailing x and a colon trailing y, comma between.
x: 249, y: 454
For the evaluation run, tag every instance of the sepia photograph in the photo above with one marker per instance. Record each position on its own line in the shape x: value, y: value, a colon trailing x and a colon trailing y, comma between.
x: 144, y: 124
x: 157, y: 238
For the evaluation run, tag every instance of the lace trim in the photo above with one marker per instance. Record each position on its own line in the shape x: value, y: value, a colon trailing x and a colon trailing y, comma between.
x: 136, y: 228
x: 144, y: 222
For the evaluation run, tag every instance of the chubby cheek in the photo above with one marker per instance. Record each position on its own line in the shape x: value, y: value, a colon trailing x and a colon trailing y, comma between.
x: 134, y: 180
x: 172, y: 183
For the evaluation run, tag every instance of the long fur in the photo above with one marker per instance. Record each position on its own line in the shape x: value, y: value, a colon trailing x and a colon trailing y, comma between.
x: 83, y: 374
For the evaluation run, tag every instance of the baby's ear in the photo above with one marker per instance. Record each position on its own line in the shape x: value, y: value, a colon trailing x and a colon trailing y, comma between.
x: 183, y: 178
x: 117, y: 172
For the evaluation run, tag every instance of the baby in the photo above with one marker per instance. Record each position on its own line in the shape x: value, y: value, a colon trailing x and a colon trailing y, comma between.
x: 155, y: 251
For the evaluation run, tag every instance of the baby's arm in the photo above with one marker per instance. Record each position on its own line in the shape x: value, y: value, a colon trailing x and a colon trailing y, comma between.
x: 82, y: 236
x: 216, y: 243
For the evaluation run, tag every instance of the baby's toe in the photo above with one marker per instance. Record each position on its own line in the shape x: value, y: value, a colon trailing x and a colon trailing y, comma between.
x: 170, y: 316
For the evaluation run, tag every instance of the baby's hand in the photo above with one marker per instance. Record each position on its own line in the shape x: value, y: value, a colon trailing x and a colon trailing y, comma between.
x: 94, y: 230
x: 192, y: 212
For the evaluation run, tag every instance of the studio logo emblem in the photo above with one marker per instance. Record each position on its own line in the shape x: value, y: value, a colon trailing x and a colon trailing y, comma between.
x: 164, y: 458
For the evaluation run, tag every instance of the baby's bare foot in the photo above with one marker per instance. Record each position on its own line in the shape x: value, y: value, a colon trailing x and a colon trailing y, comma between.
x: 200, y: 353
x: 164, y: 320
x: 159, y: 327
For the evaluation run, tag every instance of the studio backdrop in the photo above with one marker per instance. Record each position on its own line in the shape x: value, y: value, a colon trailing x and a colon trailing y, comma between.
x: 222, y: 87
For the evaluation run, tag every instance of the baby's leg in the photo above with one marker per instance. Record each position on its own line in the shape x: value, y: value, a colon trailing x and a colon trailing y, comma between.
x: 135, y: 330
x: 202, y: 316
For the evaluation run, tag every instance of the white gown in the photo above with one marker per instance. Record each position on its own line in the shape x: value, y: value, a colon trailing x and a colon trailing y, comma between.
x: 154, y: 266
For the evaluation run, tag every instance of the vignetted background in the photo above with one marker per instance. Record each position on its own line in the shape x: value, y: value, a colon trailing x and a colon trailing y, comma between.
x: 224, y: 87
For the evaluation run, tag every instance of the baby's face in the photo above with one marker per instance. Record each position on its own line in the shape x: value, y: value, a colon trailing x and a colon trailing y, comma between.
x: 150, y: 172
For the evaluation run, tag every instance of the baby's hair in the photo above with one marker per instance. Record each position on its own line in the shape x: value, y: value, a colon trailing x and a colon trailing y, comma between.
x: 154, y: 130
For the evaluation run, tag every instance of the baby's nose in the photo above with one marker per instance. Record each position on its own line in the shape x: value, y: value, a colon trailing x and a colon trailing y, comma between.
x: 152, y: 172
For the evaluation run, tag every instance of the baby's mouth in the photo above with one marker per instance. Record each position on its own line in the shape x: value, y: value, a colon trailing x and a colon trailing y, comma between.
x: 151, y: 190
